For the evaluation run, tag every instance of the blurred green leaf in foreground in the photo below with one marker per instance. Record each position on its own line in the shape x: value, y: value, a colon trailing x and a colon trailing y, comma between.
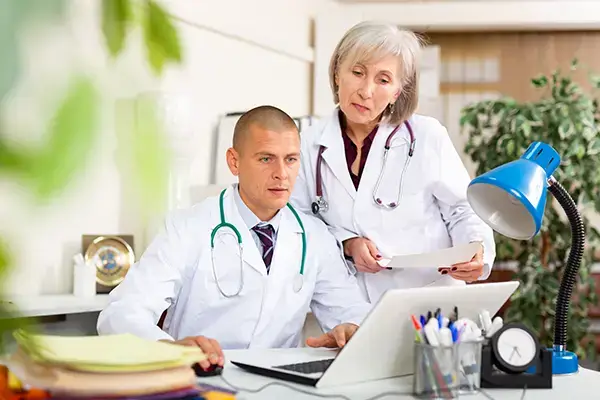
x: 46, y: 169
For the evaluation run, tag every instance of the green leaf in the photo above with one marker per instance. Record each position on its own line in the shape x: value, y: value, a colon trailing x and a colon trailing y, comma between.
x: 4, y: 259
x: 510, y: 146
x: 162, y: 42
x: 540, y: 81
x: 12, y: 15
x: 116, y: 17
x: 594, y: 146
x: 574, y: 64
x: 565, y: 128
x: 69, y: 141
x: 144, y: 159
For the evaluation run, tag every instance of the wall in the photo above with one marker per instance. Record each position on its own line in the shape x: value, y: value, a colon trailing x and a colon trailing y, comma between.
x: 330, y: 25
x: 261, y: 53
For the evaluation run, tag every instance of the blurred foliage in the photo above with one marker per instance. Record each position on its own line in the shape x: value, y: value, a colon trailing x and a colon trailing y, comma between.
x: 160, y: 36
x: 499, y: 132
x: 48, y: 167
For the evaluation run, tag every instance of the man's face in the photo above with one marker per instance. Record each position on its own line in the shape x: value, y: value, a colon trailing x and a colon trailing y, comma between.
x: 267, y: 166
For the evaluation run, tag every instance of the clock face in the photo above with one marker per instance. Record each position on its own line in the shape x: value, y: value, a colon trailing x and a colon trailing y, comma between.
x: 516, y: 347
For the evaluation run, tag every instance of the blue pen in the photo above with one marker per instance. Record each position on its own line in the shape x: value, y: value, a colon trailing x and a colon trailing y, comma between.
x: 440, y: 319
x: 422, y: 320
x: 454, y: 332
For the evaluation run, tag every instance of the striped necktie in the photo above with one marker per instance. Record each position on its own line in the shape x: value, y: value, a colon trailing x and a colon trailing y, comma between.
x: 266, y: 234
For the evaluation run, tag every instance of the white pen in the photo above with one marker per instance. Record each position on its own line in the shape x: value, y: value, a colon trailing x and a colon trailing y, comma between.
x: 496, y: 325
x: 447, y: 351
x: 486, y: 320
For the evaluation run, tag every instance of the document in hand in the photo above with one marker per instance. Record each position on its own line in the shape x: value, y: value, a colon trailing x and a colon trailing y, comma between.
x: 439, y: 258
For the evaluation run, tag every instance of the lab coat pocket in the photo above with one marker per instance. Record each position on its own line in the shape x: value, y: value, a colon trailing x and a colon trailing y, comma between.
x: 410, y: 211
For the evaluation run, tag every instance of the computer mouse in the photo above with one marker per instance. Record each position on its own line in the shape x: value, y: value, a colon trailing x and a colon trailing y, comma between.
x: 213, y: 370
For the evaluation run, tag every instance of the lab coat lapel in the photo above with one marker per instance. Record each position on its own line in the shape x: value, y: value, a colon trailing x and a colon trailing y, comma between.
x: 388, y: 187
x: 374, y: 164
x: 250, y: 253
x: 284, y: 266
x: 334, y: 155
x: 288, y: 249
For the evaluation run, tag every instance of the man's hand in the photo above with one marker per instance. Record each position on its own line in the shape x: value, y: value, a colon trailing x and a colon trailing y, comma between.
x: 364, y: 253
x: 469, y: 271
x: 337, y: 337
x: 210, y: 347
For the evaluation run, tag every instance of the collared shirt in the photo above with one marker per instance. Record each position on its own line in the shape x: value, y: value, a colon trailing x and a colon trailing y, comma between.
x: 352, y: 152
x: 251, y: 220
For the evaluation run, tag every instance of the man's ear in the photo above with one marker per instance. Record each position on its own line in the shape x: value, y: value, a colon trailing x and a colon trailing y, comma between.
x: 233, y: 161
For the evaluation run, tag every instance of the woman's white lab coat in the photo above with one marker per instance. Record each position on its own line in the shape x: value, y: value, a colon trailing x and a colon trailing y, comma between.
x: 433, y: 212
x: 175, y: 272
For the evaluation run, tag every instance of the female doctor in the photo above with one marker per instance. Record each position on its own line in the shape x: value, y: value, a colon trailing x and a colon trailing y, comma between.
x: 386, y: 180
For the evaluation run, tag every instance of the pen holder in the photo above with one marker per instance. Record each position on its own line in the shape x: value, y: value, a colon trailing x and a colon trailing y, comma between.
x: 469, y: 356
x: 436, y: 371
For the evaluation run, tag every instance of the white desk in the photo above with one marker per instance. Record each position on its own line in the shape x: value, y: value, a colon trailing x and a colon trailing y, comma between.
x: 44, y: 305
x: 583, y: 385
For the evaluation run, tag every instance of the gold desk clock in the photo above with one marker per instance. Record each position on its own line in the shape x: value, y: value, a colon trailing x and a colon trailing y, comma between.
x: 112, y: 256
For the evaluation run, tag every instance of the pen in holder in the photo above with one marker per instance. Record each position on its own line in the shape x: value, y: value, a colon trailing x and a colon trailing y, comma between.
x: 436, y: 371
x: 469, y: 354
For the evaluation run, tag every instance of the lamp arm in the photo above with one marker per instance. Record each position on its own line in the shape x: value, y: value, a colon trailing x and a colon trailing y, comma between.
x: 573, y: 262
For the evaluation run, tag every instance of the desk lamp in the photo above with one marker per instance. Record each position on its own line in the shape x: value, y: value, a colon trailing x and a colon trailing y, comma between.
x: 511, y: 199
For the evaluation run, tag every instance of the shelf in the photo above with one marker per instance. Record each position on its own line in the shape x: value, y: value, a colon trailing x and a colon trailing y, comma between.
x: 44, y: 305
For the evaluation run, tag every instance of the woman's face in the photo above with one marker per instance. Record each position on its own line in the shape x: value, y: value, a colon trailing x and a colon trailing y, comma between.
x: 365, y: 90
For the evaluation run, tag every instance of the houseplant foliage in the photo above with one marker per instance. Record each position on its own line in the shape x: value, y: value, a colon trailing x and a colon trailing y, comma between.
x: 499, y: 131
x: 46, y: 168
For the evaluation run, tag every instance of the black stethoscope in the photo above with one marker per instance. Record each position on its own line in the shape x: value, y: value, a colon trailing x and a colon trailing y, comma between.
x: 321, y: 205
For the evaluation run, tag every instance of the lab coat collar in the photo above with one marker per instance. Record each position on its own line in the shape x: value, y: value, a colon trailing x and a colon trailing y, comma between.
x: 334, y: 154
x: 287, y: 226
x: 250, y: 254
x: 250, y: 219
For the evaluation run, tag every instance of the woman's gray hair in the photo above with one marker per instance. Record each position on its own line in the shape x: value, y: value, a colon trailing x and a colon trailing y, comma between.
x: 371, y: 40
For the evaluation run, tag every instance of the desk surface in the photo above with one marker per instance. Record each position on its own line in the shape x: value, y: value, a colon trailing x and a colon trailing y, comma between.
x: 584, y: 384
x: 36, y: 306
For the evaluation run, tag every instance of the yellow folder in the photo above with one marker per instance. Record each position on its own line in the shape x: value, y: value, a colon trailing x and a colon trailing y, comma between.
x: 108, y: 353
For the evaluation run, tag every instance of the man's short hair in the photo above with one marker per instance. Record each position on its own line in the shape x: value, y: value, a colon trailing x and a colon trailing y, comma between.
x: 265, y: 117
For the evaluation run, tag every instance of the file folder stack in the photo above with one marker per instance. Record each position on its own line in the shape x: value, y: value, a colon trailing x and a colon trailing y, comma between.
x: 115, y: 367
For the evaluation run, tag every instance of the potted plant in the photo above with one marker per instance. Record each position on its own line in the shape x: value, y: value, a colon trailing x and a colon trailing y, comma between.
x: 499, y: 131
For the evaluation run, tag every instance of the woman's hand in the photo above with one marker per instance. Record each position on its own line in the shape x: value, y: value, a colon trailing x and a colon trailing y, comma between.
x: 364, y: 253
x: 469, y: 271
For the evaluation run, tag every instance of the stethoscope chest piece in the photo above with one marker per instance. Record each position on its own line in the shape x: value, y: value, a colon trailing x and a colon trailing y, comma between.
x: 298, y: 283
x: 319, y: 205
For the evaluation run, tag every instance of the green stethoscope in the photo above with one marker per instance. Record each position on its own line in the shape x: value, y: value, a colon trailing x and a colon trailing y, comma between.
x: 298, y: 279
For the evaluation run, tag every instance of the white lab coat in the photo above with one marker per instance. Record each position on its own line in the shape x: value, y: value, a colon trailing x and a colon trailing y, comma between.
x: 175, y: 272
x: 433, y: 211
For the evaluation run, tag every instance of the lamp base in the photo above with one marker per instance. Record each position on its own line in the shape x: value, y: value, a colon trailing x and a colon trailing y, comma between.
x: 564, y: 362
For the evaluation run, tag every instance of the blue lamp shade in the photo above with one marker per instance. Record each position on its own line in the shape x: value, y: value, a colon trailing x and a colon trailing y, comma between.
x: 512, y: 197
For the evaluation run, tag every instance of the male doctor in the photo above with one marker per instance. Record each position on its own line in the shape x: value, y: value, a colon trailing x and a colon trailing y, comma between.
x: 247, y: 300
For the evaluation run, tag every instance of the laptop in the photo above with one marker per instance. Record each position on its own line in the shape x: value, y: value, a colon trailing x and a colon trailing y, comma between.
x: 383, y: 345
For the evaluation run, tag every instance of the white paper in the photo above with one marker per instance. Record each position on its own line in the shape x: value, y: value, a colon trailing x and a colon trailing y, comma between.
x: 436, y: 259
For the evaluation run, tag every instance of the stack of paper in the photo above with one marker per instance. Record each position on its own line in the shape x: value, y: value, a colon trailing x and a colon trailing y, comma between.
x: 113, y: 366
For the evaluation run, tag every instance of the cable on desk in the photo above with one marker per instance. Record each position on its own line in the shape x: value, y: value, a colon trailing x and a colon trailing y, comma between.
x: 337, y: 396
x: 307, y: 392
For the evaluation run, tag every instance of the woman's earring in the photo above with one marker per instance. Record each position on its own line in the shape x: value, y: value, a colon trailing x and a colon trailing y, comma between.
x: 391, y: 108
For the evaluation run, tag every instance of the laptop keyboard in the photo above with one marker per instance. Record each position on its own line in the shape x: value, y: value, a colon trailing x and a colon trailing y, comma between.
x: 310, y: 367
